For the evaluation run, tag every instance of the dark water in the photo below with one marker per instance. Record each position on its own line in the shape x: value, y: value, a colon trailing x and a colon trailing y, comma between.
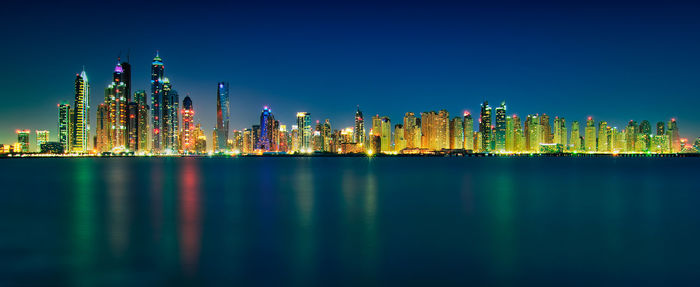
x: 350, y: 221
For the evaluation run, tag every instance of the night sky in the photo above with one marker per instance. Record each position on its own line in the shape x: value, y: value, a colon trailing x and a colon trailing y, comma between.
x: 613, y: 61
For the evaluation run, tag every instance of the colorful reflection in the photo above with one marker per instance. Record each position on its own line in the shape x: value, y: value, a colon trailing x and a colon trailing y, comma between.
x: 190, y: 225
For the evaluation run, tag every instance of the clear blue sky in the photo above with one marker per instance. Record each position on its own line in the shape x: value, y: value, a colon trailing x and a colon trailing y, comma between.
x: 614, y: 61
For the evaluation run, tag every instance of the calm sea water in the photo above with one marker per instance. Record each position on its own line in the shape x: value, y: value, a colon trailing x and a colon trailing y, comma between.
x: 350, y: 221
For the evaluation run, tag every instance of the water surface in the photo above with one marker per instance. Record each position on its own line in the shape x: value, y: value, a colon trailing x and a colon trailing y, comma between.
x: 349, y: 221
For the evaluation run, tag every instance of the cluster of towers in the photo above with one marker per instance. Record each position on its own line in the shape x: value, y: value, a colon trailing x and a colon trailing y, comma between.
x: 126, y: 122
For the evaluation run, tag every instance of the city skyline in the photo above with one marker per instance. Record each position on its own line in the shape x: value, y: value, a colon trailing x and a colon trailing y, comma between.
x: 626, y: 81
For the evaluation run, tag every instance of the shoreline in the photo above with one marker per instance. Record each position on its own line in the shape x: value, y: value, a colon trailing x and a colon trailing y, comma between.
x: 362, y: 155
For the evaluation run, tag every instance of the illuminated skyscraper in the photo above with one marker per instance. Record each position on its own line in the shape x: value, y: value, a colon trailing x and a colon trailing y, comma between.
x: 560, y: 131
x: 103, y: 128
x: 674, y: 136
x: 64, y: 126
x: 547, y: 136
x: 81, y: 114
x: 267, y: 131
x: 603, y: 137
x: 247, y: 141
x: 157, y: 77
x: 485, y: 126
x: 304, y: 131
x: 456, y: 133
x: 132, y: 125
x: 411, y: 129
x: 468, y: 132
x: 23, y: 140
x: 435, y: 129
x: 142, y: 120
x: 631, y: 136
x: 510, y: 134
x: 533, y: 133
x: 590, y: 135
x: 644, y: 136
x: 294, y: 134
x: 518, y: 136
x: 188, y: 127
x: 42, y: 137
x: 500, y: 136
x: 222, y: 116
x: 359, y: 134
x: 399, y: 137
x: 171, y: 117
x: 385, y: 133
x: 575, y: 138
x: 116, y: 101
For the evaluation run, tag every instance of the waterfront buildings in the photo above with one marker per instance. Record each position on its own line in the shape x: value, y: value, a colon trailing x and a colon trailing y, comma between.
x: 188, y: 127
x: 500, y: 136
x: 81, y: 115
x: 303, y: 131
x: 64, y: 125
x: 222, y: 116
x: 42, y: 137
x: 157, y: 85
x: 359, y: 131
x: 23, y: 140
x: 485, y: 126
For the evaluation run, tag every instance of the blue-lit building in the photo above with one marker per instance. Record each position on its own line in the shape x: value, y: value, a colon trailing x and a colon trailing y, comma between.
x: 222, y: 116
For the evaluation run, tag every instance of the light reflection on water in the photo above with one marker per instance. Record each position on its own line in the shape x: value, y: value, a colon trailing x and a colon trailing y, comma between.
x: 353, y: 221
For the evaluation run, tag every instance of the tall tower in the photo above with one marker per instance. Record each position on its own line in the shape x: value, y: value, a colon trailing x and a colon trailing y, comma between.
x: 575, y: 139
x: 81, y: 114
x: 118, y: 112
x: 304, y: 131
x: 42, y: 137
x: 188, y: 127
x: 64, y: 126
x: 468, y: 131
x: 485, y: 126
x: 222, y: 116
x: 590, y: 135
x: 385, y: 133
x: 603, y: 137
x: 411, y: 129
x: 359, y: 134
x: 674, y: 136
x: 157, y: 76
x: 142, y: 119
x: 267, y: 130
x: 501, y: 127
x: 23, y: 140
x: 171, y: 120
x: 456, y: 133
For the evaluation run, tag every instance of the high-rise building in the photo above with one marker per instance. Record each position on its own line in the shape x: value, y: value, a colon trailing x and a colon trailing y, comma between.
x: 547, y: 136
x: 42, y: 137
x: 23, y: 140
x: 267, y: 131
x: 456, y: 133
x: 411, y: 128
x: 500, y: 136
x: 399, y: 137
x: 327, y: 135
x: 674, y: 136
x: 64, y: 126
x: 359, y: 133
x: 115, y: 99
x: 518, y: 136
x: 468, y: 132
x: 385, y: 133
x: 533, y: 133
x: 603, y: 137
x: 644, y: 136
x: 157, y: 77
x: 81, y: 114
x: 304, y: 131
x: 171, y: 120
x: 560, y: 131
x: 103, y: 129
x: 435, y: 130
x: 485, y: 126
x: 132, y: 125
x: 575, y: 137
x: 631, y: 136
x: 188, y: 127
x: 142, y: 120
x: 590, y: 135
x: 222, y: 115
